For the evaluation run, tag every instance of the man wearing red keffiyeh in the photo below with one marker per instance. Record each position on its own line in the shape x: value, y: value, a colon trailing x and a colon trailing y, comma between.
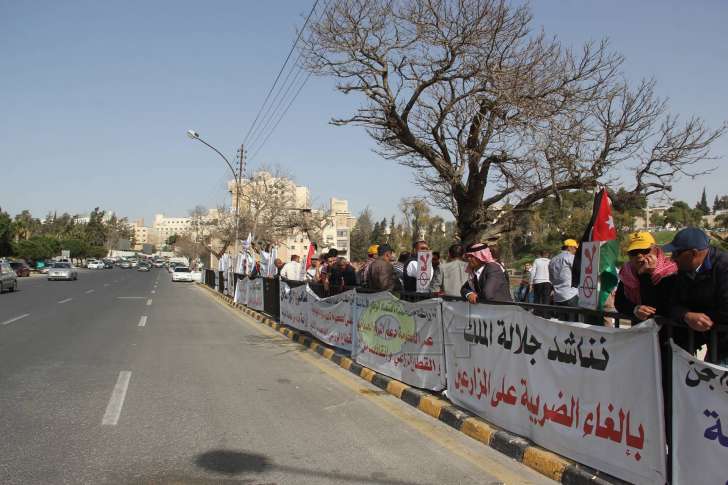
x: 646, y: 280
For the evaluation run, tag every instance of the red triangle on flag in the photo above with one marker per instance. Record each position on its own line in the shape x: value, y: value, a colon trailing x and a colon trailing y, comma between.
x: 604, y: 228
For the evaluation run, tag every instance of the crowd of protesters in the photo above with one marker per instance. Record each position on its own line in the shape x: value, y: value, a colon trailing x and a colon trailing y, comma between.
x: 690, y: 286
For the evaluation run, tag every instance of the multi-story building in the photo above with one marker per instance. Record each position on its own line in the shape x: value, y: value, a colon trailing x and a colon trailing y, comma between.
x: 337, y: 234
x: 164, y: 227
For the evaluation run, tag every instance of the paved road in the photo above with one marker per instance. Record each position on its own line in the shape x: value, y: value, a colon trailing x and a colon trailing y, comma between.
x: 93, y: 392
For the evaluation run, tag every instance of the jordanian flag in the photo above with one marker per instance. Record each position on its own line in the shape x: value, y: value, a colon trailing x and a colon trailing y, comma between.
x: 601, y: 229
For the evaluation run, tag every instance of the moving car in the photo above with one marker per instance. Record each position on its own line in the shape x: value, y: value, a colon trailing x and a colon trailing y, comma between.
x: 143, y: 266
x: 62, y: 271
x: 8, y: 278
x: 182, y: 273
x: 21, y: 269
x: 159, y: 263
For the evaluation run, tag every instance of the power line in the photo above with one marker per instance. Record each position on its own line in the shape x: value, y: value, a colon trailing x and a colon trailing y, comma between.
x: 293, y: 47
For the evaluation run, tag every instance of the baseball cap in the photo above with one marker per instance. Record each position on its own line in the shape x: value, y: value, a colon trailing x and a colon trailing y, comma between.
x: 688, y: 238
x: 640, y: 240
x: 373, y: 249
x: 571, y: 243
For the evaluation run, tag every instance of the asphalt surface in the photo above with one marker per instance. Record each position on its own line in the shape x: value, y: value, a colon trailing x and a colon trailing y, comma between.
x: 92, y: 392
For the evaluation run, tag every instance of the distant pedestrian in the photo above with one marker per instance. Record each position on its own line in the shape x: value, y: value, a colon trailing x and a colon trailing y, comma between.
x: 371, y: 257
x: 312, y: 273
x: 291, y: 271
x: 454, y: 272
x: 381, y: 271
x: 560, y: 275
x: 279, y: 265
x: 436, y: 281
x: 488, y: 280
x: 524, y: 287
x: 540, y: 280
x: 341, y: 275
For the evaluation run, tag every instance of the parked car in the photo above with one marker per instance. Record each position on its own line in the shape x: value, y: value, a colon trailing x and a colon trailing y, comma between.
x: 21, y: 269
x: 124, y: 264
x: 182, y: 273
x: 62, y: 271
x: 159, y: 263
x: 143, y: 266
x: 94, y: 264
x: 8, y: 278
x: 108, y: 264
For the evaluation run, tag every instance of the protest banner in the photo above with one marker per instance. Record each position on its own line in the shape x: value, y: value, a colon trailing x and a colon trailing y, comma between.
x: 400, y: 339
x: 330, y: 319
x: 589, y: 279
x: 255, y: 294
x: 241, y: 291
x: 590, y: 393
x: 424, y: 271
x: 699, y: 399
x: 294, y: 306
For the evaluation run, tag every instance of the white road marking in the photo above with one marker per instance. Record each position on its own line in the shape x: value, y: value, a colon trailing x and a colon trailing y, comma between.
x: 143, y: 321
x: 106, y: 284
x: 65, y: 301
x: 89, y: 291
x: 116, y: 402
x: 154, y: 291
x: 149, y: 302
x: 130, y: 297
x: 19, y: 317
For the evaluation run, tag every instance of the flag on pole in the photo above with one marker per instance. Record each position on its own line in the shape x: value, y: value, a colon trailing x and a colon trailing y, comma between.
x: 595, y: 266
x: 306, y: 263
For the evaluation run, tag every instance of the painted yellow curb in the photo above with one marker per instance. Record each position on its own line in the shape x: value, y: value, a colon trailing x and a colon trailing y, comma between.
x: 478, y: 430
x: 396, y: 388
x: 367, y: 374
x: 431, y: 405
x: 545, y: 462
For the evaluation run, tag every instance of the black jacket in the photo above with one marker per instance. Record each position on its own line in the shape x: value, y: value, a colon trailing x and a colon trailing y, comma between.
x: 493, y: 284
x: 705, y: 292
x: 657, y: 296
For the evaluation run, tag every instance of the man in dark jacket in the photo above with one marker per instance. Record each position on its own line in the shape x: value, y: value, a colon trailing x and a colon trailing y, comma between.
x: 701, y: 290
x: 488, y: 279
x: 381, y: 272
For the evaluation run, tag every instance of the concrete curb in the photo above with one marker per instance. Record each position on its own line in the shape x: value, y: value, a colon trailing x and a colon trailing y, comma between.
x: 547, y: 463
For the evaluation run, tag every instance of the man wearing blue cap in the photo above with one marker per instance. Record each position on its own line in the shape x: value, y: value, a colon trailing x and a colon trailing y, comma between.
x: 701, y: 290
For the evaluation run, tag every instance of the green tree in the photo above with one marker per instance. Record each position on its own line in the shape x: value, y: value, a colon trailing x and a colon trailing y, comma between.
x: 95, y: 229
x: 25, y: 225
x: 6, y: 234
x: 682, y: 215
x: 35, y: 248
x: 361, y: 235
x: 720, y: 204
x: 703, y: 206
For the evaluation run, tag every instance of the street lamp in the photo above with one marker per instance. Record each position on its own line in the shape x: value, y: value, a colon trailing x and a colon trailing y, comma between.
x: 238, y: 179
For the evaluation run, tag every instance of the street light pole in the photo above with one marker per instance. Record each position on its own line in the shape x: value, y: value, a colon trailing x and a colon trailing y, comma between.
x: 237, y: 176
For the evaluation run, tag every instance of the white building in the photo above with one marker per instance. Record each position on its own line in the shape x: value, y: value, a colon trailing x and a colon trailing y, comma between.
x: 164, y: 227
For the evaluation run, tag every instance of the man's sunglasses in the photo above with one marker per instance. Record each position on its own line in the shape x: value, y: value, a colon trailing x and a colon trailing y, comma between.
x: 637, y: 252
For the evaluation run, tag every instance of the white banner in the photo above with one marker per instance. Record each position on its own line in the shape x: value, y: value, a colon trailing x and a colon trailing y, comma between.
x: 699, y: 399
x: 255, y: 294
x: 241, y: 292
x: 590, y: 393
x: 294, y: 306
x: 424, y: 271
x: 589, y: 275
x: 400, y: 339
x: 330, y: 319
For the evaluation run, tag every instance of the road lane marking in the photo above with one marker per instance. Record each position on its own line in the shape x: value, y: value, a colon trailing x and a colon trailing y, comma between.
x: 130, y: 297
x: 65, y: 301
x: 106, y: 284
x: 19, y: 317
x: 385, y: 402
x: 116, y: 402
x: 149, y: 302
x: 154, y: 291
x: 143, y: 321
x: 89, y: 291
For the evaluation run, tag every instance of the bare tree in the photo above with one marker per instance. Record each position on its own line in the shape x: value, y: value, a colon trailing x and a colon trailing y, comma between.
x: 487, y: 110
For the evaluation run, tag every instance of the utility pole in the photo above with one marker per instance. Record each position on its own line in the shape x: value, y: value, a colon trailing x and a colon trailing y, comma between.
x: 238, y: 181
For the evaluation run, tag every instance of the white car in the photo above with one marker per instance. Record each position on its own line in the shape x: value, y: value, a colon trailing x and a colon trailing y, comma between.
x: 62, y: 271
x: 182, y: 273
x: 93, y: 264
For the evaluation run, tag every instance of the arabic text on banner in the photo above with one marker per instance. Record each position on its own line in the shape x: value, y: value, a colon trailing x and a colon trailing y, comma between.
x: 294, y: 306
x: 330, y: 319
x: 241, y: 291
x: 590, y: 393
x: 255, y: 294
x: 699, y: 401
x: 400, y: 339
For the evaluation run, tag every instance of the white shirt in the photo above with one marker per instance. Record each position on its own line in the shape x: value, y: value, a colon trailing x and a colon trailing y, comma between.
x: 540, y: 271
x: 291, y: 271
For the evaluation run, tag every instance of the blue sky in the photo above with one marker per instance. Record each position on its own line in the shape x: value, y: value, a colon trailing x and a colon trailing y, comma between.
x: 96, y: 97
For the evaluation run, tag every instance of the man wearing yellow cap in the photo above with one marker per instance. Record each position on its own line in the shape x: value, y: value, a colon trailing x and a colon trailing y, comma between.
x: 364, y: 271
x: 646, y: 280
x: 560, y: 275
